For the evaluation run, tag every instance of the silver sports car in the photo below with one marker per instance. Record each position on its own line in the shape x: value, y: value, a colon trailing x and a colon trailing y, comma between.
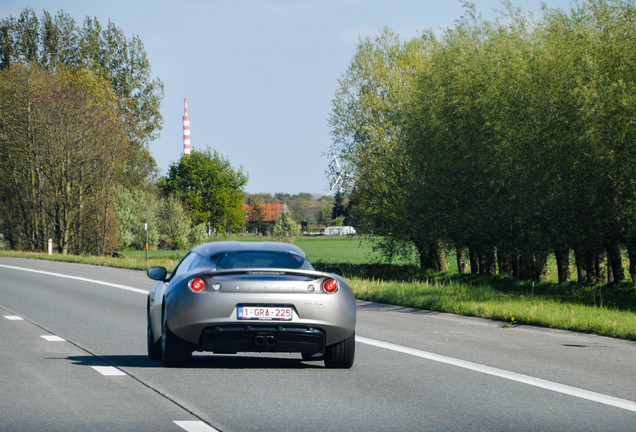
x: 229, y: 297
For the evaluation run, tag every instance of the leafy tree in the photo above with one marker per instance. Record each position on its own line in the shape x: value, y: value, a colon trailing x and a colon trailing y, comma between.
x: 56, y: 41
x: 174, y: 224
x: 61, y: 149
x: 466, y: 118
x: 303, y: 206
x: 209, y: 188
x: 286, y: 229
x: 77, y: 110
x: 263, y: 198
x: 606, y: 99
x: 366, y: 123
x: 198, y: 235
x: 135, y: 208
x: 339, y: 208
x: 325, y: 215
x: 510, y: 138
x: 256, y: 217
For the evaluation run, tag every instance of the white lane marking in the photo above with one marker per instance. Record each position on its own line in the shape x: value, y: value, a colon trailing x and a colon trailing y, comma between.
x: 195, y: 426
x: 108, y: 370
x: 112, y: 285
x: 14, y: 318
x: 525, y: 379
x: 52, y: 338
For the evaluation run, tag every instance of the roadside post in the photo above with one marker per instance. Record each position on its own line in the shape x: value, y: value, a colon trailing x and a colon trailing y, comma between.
x: 50, y: 246
x: 146, y: 229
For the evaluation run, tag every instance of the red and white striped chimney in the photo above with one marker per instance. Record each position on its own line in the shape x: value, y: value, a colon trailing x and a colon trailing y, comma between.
x: 186, y: 129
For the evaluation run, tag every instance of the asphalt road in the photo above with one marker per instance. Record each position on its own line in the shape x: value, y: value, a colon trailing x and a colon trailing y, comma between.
x: 72, y: 358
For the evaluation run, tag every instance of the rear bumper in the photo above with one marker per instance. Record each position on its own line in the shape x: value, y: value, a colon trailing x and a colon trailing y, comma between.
x: 191, y: 314
x: 261, y: 338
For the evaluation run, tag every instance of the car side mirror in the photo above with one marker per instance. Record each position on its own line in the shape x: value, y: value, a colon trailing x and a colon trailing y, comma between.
x: 157, y: 273
x: 334, y: 270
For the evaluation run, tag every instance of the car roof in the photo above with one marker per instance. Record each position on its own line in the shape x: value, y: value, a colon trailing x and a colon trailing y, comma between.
x: 210, y: 249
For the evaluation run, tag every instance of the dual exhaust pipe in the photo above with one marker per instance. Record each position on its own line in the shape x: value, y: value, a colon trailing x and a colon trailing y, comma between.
x: 265, y: 340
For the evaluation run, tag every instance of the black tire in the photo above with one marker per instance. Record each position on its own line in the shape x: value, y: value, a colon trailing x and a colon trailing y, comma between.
x: 340, y: 355
x: 175, y: 351
x: 154, y: 347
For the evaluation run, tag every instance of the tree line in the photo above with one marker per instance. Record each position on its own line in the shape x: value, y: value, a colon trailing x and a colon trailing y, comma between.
x: 78, y: 109
x: 507, y: 140
x: 313, y: 209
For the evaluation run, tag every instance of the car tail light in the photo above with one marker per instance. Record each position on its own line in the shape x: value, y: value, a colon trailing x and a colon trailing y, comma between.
x: 198, y: 285
x: 330, y: 286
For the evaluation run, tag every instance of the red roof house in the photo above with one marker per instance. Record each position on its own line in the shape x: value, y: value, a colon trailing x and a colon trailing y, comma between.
x: 269, y: 212
x: 264, y: 222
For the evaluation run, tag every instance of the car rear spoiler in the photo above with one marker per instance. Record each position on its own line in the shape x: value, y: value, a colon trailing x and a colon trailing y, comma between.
x: 274, y: 271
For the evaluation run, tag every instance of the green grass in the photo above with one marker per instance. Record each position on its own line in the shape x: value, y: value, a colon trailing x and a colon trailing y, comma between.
x: 133, y: 263
x: 578, y: 308
x: 344, y: 250
x: 336, y: 250
x: 607, y: 310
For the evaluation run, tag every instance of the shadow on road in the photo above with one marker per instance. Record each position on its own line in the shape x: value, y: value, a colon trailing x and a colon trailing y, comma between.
x: 199, y: 362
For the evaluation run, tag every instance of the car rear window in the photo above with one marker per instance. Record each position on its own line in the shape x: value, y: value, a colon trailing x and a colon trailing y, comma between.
x: 256, y: 259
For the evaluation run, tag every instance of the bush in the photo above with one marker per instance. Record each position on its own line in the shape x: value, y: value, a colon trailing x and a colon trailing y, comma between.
x: 286, y: 229
x: 198, y: 235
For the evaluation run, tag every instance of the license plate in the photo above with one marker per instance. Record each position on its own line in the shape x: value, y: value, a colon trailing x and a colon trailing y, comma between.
x: 268, y: 313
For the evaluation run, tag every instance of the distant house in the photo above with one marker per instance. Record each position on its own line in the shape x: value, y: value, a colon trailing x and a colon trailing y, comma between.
x: 263, y: 218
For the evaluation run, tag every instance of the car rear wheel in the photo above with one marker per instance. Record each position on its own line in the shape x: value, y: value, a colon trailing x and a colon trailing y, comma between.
x: 341, y: 354
x: 154, y: 347
x: 175, y: 351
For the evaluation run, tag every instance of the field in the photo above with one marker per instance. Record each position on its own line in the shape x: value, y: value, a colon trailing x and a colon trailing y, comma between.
x: 331, y: 250
x: 601, y: 309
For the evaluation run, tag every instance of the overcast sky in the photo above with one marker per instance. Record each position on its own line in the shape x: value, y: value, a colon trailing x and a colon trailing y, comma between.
x: 259, y: 75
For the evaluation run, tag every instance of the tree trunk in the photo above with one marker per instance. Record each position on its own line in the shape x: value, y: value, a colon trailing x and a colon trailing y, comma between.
x: 541, y: 265
x: 514, y: 258
x: 534, y: 266
x: 631, y: 251
x: 432, y: 256
x: 526, y: 266
x: 581, y: 273
x: 615, y: 270
x: 563, y: 264
x: 504, y: 259
x: 587, y: 266
x: 425, y: 256
x: 487, y: 261
x: 600, y: 267
x: 440, y: 256
x: 474, y: 261
x: 461, y: 261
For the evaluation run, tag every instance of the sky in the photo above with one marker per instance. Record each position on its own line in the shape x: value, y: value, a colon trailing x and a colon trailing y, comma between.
x: 259, y: 75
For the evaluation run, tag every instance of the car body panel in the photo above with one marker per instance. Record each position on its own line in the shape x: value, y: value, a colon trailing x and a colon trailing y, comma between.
x: 191, y: 314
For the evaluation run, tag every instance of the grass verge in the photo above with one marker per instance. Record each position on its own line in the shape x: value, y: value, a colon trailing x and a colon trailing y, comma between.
x: 519, y: 306
x: 607, y: 310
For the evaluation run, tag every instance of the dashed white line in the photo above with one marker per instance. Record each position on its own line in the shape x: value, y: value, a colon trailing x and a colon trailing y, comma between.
x: 52, y: 338
x: 525, y: 379
x: 189, y: 426
x: 109, y: 371
x: 513, y: 376
x: 195, y: 426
